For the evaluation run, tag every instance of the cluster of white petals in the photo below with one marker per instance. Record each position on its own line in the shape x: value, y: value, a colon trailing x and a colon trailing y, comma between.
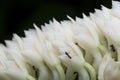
x: 86, y: 48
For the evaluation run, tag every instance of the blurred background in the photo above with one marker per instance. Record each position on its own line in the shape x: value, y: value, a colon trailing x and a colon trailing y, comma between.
x: 19, y: 15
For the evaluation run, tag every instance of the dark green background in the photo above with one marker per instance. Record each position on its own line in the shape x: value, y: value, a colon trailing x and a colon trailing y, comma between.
x: 19, y: 15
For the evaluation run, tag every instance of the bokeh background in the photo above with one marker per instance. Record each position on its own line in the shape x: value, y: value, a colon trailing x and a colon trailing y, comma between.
x: 19, y: 15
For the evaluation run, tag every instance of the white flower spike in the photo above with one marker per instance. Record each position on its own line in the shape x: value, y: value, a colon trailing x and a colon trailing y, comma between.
x: 87, y: 48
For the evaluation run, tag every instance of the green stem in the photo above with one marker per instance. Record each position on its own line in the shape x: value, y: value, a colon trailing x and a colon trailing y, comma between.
x: 61, y: 72
x: 90, y: 70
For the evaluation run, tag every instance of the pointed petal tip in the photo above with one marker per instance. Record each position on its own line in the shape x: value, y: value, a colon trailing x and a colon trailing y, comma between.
x: 70, y: 18
x: 35, y: 26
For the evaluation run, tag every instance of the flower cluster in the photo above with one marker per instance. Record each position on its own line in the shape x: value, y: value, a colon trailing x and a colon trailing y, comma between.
x: 86, y: 48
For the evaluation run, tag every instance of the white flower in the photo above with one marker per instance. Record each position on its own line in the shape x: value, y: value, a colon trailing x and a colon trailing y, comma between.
x: 106, y: 59
x: 87, y: 38
x: 111, y: 29
x: 112, y: 71
x: 87, y: 48
x: 11, y: 68
x: 115, y: 11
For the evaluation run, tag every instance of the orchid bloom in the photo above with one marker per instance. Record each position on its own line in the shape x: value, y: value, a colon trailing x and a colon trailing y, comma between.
x: 86, y: 48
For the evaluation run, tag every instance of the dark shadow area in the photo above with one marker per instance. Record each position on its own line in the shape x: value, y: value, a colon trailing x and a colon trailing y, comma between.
x: 19, y: 15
